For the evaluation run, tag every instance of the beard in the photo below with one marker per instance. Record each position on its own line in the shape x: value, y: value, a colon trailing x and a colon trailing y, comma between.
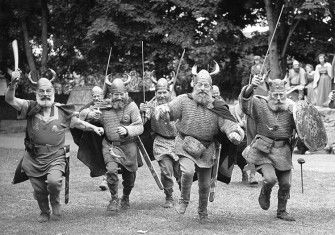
x: 45, y: 101
x: 162, y: 100
x: 118, y: 104
x: 276, y: 106
x: 202, y: 97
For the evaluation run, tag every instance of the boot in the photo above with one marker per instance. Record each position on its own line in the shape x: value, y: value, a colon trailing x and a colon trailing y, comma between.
x: 113, y: 205
x: 252, y: 179
x: 45, y: 210
x: 283, y: 195
x: 168, y: 198
x: 181, y: 206
x: 264, y: 196
x: 103, y: 185
x: 202, y: 209
x: 125, y: 202
x: 55, y: 204
x: 244, y: 177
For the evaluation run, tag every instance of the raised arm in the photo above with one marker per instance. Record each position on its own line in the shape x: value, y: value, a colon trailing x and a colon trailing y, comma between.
x: 10, y: 98
x: 85, y: 126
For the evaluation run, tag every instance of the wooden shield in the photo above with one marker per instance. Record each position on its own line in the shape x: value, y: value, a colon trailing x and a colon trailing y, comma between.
x: 309, y: 125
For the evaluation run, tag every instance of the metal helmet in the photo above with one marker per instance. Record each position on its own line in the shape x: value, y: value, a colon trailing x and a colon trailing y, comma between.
x: 43, y: 81
x: 162, y: 83
x: 96, y: 90
x: 204, y: 74
x: 117, y: 86
x: 277, y: 85
x: 107, y: 81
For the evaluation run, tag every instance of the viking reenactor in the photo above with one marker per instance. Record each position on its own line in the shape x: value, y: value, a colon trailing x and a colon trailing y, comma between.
x: 296, y: 81
x: 122, y: 123
x: 216, y: 93
x: 200, y: 117
x: 44, y: 160
x: 271, y: 149
x: 91, y: 113
x: 164, y: 142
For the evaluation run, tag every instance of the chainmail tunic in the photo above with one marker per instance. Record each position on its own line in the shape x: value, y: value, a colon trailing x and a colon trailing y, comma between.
x: 199, y: 122
x: 163, y: 128
x: 130, y: 118
x: 274, y: 125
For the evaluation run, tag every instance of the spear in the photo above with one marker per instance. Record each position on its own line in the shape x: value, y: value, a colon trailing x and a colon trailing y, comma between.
x: 181, y: 59
x: 109, y: 57
x: 143, y: 84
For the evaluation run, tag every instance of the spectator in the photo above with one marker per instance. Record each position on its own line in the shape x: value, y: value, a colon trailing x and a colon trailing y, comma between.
x: 322, y: 80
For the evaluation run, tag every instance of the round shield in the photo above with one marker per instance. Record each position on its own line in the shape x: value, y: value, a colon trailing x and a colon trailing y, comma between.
x: 309, y: 125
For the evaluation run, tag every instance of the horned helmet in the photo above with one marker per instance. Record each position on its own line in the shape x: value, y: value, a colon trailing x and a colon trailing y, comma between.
x: 204, y: 74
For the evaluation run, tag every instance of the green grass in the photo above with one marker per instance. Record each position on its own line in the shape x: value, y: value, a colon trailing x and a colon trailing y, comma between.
x: 234, y: 211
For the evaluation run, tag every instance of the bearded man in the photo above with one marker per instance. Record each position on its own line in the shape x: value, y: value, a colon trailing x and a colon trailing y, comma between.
x: 122, y: 123
x: 91, y: 114
x: 198, y: 123
x: 44, y: 159
x: 271, y: 149
x: 163, y: 148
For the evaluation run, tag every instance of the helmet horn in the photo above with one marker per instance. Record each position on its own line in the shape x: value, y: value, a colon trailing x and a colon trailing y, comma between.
x: 54, y: 75
x: 194, y: 70
x: 216, y: 70
x: 107, y: 80
x: 128, y: 79
x: 30, y: 79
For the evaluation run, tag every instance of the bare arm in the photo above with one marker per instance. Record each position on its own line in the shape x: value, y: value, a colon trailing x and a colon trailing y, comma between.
x: 10, y: 98
x: 85, y: 126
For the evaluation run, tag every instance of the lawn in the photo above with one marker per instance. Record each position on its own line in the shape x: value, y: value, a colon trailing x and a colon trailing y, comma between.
x: 234, y: 211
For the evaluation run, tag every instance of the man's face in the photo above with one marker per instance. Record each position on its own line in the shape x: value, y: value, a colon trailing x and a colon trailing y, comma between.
x: 97, y: 97
x: 202, y: 91
x: 45, y: 95
x: 162, y: 96
x: 277, y: 100
x: 296, y: 65
x: 118, y: 100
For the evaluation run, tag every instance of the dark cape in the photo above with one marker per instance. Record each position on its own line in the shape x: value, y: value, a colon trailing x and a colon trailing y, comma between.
x: 20, y: 175
x: 90, y: 148
x: 228, y: 149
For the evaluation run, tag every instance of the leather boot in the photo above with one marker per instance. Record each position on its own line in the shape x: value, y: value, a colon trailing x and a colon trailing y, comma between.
x: 202, y: 209
x: 168, y: 198
x: 181, y: 206
x: 43, y: 203
x: 283, y: 196
x: 264, y: 196
x: 55, y: 204
x: 125, y: 202
x: 252, y: 179
x: 113, y: 205
x: 244, y: 177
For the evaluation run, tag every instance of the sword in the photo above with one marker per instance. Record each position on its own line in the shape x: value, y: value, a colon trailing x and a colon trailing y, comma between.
x: 67, y: 173
x: 144, y: 154
x: 215, y: 175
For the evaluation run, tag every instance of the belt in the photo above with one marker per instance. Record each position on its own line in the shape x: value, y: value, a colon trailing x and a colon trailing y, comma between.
x: 280, y: 143
x: 165, y: 137
x: 119, y: 143
x: 206, y: 143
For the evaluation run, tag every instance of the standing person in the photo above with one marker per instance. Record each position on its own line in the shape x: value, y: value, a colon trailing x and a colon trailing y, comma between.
x: 271, y: 149
x: 122, y: 123
x: 216, y: 93
x: 91, y: 114
x: 197, y: 125
x: 163, y: 147
x: 322, y: 80
x: 44, y: 159
x: 261, y: 90
x: 309, y: 83
x: 296, y: 79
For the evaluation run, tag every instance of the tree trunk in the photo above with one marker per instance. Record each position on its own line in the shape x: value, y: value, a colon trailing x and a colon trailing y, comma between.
x: 29, y: 53
x: 273, y: 48
x: 290, y: 33
x: 44, y: 58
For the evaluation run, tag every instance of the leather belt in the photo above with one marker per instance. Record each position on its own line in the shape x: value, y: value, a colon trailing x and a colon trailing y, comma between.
x: 119, y: 143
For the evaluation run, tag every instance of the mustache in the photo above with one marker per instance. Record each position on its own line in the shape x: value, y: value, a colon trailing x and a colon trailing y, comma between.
x: 45, y: 98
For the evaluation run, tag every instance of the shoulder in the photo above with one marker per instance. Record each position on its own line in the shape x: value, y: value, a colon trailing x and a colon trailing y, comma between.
x: 132, y: 105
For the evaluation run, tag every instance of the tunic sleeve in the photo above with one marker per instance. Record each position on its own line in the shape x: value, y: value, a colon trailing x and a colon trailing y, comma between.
x: 229, y: 127
x: 246, y: 104
x: 83, y: 114
x: 176, y: 107
x: 136, y: 126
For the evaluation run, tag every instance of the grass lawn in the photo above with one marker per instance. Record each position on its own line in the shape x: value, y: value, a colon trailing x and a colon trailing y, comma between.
x: 234, y: 211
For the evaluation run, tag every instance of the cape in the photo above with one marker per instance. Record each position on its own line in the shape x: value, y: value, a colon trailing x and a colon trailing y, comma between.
x: 228, y: 149
x: 90, y: 149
